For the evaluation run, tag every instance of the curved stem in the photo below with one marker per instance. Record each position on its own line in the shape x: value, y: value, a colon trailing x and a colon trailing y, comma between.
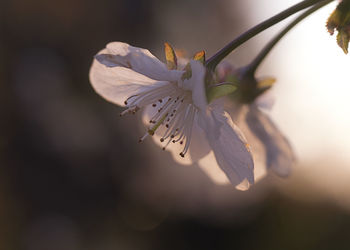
x: 212, y: 62
x: 261, y: 56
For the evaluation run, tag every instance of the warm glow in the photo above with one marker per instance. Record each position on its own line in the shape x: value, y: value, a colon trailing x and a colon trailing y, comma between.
x: 312, y: 97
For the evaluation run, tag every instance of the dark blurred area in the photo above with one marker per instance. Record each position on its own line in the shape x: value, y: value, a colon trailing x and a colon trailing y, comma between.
x: 72, y: 174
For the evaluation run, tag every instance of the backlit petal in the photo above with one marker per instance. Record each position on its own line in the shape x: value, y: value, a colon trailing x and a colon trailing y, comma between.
x: 199, y: 146
x: 229, y: 146
x: 238, y: 114
x: 137, y: 59
x: 118, y: 83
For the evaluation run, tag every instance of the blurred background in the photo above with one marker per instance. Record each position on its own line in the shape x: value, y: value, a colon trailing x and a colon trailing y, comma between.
x: 72, y: 175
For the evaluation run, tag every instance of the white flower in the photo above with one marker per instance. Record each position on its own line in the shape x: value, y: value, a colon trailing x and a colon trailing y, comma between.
x: 176, y: 108
x: 270, y: 148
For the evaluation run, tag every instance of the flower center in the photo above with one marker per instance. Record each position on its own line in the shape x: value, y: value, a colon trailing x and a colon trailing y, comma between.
x: 173, y: 114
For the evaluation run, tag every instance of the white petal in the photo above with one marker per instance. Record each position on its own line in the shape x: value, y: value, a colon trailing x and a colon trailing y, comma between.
x: 199, y: 146
x: 209, y: 165
x: 196, y: 85
x: 137, y: 59
x: 118, y: 83
x: 229, y: 146
x: 238, y: 114
x: 279, y: 153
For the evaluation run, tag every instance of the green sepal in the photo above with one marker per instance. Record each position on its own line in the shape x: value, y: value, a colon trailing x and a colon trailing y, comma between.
x: 220, y: 91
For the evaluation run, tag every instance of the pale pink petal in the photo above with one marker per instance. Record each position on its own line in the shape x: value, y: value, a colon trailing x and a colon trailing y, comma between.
x: 229, y: 146
x: 118, y: 83
x: 199, y: 146
x: 138, y: 59
x: 238, y: 114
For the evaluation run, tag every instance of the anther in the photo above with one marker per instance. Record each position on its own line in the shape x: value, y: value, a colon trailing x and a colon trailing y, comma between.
x: 153, y: 105
x: 160, y: 100
x: 182, y: 155
x: 161, y: 139
x: 143, y: 138
x: 181, y: 142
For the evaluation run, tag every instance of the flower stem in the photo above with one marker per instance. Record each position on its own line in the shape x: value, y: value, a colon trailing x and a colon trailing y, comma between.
x: 212, y: 62
x: 265, y: 51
